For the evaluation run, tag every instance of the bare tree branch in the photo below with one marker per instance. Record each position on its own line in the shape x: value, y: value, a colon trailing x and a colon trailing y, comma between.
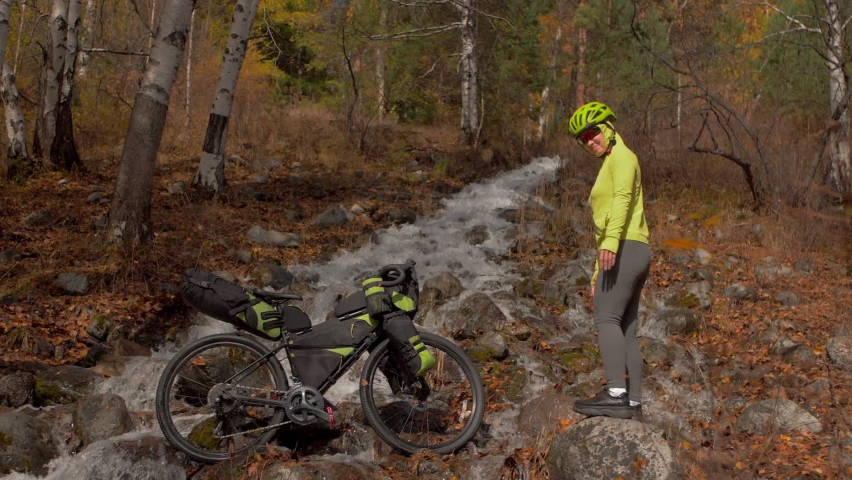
x: 418, y: 32
x: 790, y: 18
x: 115, y: 52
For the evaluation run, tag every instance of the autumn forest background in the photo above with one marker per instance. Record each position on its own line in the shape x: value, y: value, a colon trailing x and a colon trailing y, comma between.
x: 117, y: 167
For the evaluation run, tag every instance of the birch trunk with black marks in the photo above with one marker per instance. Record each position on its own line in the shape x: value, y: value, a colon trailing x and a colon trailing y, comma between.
x: 381, y: 92
x: 63, y: 151
x: 840, y: 171
x: 544, y: 114
x: 19, y: 165
x: 211, y: 170
x: 54, y: 60
x: 130, y: 212
x: 468, y: 72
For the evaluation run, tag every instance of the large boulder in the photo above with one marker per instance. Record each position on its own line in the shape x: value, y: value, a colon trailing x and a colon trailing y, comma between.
x: 65, y: 384
x: 446, y: 283
x: 17, y: 389
x: 128, y: 459
x: 777, y: 414
x: 26, y: 444
x: 542, y: 415
x: 478, y: 312
x: 603, y: 447
x: 840, y: 351
x: 102, y: 416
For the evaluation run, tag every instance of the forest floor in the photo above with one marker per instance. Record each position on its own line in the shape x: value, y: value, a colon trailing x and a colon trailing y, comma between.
x: 40, y: 323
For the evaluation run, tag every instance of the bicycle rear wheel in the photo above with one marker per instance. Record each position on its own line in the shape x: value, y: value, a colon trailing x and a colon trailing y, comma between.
x: 441, y: 412
x: 195, y: 406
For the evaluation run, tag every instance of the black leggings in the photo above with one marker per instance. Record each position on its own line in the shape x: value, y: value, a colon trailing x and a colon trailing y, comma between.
x: 617, y: 294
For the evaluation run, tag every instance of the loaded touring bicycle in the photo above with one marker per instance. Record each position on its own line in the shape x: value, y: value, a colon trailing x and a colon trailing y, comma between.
x: 228, y: 393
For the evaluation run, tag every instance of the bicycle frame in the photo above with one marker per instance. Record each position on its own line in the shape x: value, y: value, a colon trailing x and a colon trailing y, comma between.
x: 365, y: 345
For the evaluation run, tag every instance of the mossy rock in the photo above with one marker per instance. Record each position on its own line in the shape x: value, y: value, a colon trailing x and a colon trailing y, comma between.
x: 478, y: 354
x: 5, y: 440
x: 684, y: 300
x: 48, y: 394
x: 202, y: 434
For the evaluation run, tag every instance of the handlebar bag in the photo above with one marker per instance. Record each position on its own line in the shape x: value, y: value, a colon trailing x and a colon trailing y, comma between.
x: 225, y: 301
x: 317, y: 354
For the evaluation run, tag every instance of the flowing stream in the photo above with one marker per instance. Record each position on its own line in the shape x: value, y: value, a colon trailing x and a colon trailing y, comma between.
x: 436, y: 243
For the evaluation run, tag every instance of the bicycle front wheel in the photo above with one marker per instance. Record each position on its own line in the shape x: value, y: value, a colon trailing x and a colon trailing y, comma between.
x: 196, y: 406
x: 440, y: 411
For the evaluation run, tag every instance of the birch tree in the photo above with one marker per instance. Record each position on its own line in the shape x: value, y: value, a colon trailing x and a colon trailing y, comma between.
x: 830, y: 26
x: 18, y: 163
x: 54, y: 60
x: 63, y: 151
x: 130, y: 212
x: 467, y: 67
x: 211, y: 169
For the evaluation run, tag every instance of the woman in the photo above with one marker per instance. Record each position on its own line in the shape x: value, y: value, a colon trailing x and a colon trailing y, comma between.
x: 624, y: 259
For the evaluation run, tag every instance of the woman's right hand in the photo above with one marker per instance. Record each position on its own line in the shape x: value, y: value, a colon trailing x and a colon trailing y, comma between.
x: 593, y: 290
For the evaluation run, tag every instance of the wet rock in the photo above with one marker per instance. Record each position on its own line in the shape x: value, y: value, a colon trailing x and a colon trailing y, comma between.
x: 271, y: 275
x: 17, y: 389
x: 446, y: 283
x: 570, y: 274
x: 100, y: 327
x: 788, y: 299
x: 494, y: 344
x: 478, y: 313
x: 102, y: 416
x: 73, y: 283
x: 840, y: 351
x: 333, y: 216
x: 65, y: 384
x: 779, y: 415
x: 94, y: 197
x: 39, y: 218
x: 129, y: 348
x: 602, y: 447
x: 272, y: 238
x: 738, y: 291
x: 26, y: 444
x: 477, y: 235
x: 548, y: 292
x: 129, y: 459
x: 399, y: 216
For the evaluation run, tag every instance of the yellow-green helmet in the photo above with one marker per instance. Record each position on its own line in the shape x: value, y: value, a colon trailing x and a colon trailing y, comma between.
x: 589, y: 115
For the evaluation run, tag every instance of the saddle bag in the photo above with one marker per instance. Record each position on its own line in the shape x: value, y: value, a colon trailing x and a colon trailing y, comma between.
x: 317, y: 354
x: 225, y: 301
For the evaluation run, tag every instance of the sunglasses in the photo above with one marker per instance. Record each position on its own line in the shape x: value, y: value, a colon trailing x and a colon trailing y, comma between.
x: 589, y: 134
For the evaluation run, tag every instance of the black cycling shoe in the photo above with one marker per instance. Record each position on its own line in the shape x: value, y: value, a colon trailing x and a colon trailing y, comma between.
x: 605, y: 405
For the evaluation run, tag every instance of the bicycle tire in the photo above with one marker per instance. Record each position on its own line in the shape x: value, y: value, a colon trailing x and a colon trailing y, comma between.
x: 445, y: 390
x: 186, y: 382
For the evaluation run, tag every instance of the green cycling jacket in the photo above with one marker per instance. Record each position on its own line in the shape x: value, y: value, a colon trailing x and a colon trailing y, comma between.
x: 616, y: 200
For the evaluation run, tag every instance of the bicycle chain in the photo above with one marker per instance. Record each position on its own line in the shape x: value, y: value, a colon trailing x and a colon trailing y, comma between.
x: 261, y: 429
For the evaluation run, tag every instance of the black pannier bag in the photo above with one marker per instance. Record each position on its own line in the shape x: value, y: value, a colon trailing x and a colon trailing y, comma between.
x: 396, y: 307
x: 318, y: 353
x: 225, y: 301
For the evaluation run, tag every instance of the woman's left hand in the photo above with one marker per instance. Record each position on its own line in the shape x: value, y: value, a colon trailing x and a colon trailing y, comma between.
x: 607, y: 259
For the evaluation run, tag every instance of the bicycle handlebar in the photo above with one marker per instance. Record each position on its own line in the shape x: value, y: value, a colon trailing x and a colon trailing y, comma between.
x: 398, y: 269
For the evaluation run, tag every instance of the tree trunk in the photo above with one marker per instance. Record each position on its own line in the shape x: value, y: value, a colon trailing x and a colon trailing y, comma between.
x: 63, y: 152
x: 545, y: 93
x: 130, y: 212
x: 211, y: 169
x: 188, y: 104
x: 580, y: 80
x: 87, y: 38
x: 469, y: 73
x: 381, y: 98
x: 18, y: 164
x: 54, y: 60
x: 840, y: 173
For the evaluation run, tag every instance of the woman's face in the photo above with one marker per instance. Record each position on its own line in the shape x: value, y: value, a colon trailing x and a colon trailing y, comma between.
x: 593, y: 141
